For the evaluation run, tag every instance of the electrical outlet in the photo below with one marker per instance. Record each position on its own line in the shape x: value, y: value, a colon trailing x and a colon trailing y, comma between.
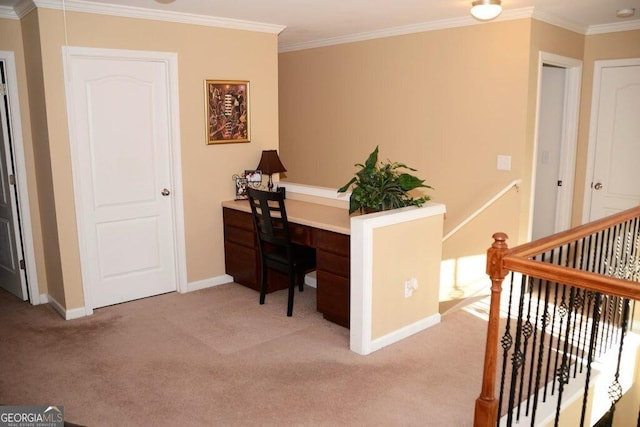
x: 410, y: 286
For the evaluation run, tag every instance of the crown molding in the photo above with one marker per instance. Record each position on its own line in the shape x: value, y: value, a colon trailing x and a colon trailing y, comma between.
x: 559, y: 22
x: 466, y: 21
x: 613, y: 28
x: 23, y: 7
x: 157, y: 15
x: 7, y: 12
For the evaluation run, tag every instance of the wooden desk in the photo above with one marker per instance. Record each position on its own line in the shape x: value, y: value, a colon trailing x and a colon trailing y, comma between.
x: 324, y: 228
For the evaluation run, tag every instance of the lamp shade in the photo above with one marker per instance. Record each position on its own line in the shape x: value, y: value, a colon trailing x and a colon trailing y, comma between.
x: 485, y: 10
x: 270, y: 163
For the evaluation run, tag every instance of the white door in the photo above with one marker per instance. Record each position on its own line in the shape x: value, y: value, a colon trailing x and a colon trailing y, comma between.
x: 120, y: 127
x: 615, y: 180
x: 11, y: 278
x: 550, y: 133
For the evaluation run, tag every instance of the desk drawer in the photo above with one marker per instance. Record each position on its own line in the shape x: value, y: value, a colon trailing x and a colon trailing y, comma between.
x: 240, y: 236
x: 333, y: 297
x: 333, y: 242
x: 241, y: 263
x: 333, y: 263
x: 301, y: 234
x: 238, y: 219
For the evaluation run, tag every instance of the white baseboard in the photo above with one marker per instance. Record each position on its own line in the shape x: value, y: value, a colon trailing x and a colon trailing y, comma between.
x: 311, y: 280
x: 405, y: 332
x: 209, y: 283
x: 74, y: 313
x: 44, y: 299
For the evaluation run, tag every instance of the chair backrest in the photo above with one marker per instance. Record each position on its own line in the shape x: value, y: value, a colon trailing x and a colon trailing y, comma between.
x: 269, y: 217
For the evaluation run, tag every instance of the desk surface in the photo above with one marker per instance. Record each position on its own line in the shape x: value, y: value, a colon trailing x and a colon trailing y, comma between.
x: 306, y: 213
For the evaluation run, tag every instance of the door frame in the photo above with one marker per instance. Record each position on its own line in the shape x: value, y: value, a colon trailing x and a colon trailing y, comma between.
x: 569, y: 141
x: 598, y: 66
x: 170, y: 59
x: 30, y: 273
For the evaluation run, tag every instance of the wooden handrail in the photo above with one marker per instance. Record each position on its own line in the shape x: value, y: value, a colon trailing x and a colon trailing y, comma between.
x: 501, y: 260
x: 555, y: 240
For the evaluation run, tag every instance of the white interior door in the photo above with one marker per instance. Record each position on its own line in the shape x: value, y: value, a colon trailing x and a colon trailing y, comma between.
x: 550, y: 134
x: 11, y: 278
x: 615, y: 182
x: 120, y: 127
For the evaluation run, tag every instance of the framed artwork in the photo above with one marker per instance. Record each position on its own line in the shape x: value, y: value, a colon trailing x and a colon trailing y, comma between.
x: 227, y: 111
x: 241, y: 187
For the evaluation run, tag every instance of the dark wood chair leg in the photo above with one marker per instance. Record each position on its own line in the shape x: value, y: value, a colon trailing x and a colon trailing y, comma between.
x: 292, y: 290
x: 300, y: 278
x: 263, y: 283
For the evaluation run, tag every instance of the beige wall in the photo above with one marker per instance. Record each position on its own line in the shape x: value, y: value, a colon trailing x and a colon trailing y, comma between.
x: 445, y: 102
x: 625, y: 44
x: 203, y: 53
x: 395, y: 260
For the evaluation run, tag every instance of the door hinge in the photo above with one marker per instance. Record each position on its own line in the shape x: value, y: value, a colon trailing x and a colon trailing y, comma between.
x: 22, y: 265
x: 559, y: 183
x: 12, y: 180
x: 3, y: 89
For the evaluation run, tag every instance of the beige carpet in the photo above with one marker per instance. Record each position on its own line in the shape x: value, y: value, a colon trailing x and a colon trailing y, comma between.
x: 217, y: 358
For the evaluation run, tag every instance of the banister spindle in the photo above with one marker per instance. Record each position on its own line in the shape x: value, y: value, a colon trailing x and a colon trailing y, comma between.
x: 486, y: 410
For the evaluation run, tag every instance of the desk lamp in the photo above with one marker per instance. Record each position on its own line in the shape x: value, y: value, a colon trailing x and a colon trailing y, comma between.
x: 270, y: 163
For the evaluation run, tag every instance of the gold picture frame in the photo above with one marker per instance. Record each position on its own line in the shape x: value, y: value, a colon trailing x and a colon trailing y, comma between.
x: 227, y: 111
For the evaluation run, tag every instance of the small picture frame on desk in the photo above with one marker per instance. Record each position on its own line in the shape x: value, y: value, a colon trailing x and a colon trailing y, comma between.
x: 241, y: 187
x: 254, y: 178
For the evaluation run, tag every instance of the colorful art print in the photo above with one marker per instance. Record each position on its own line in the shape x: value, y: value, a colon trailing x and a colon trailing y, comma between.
x: 227, y: 111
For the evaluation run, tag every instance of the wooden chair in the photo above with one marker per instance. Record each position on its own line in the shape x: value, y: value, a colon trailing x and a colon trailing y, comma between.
x: 277, y: 251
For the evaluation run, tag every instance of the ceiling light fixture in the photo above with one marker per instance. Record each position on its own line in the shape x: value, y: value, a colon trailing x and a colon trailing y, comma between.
x: 486, y: 10
x: 625, y: 13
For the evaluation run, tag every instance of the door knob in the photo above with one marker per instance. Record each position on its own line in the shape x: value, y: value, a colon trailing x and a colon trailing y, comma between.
x: 598, y: 186
x: 165, y: 192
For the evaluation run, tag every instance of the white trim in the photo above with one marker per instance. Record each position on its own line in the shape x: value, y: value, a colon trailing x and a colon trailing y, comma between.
x: 209, y: 283
x: 21, y: 177
x: 361, y: 296
x: 74, y: 313
x: 559, y: 22
x: 613, y: 28
x: 23, y: 7
x: 593, y: 123
x: 311, y: 190
x: 7, y: 12
x: 405, y: 332
x: 526, y: 12
x: 44, y: 299
x: 170, y: 59
x: 152, y: 14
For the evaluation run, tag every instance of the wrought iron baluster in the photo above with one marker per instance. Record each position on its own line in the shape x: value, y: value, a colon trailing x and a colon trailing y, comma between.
x: 562, y: 373
x: 597, y: 302
x: 506, y: 342
x: 517, y: 357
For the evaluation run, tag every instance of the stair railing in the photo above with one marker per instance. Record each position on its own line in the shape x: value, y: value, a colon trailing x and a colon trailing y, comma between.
x: 602, y: 257
x: 513, y: 184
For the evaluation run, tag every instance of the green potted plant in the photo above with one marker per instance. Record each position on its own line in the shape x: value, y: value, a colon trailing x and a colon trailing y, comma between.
x: 383, y: 186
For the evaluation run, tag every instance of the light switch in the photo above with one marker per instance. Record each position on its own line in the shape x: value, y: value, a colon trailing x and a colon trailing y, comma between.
x: 504, y: 163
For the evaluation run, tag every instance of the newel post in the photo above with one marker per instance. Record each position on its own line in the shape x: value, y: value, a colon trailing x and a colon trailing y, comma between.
x: 486, y: 413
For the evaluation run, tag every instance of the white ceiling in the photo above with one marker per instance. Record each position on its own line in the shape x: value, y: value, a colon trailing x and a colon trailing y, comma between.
x: 318, y: 22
